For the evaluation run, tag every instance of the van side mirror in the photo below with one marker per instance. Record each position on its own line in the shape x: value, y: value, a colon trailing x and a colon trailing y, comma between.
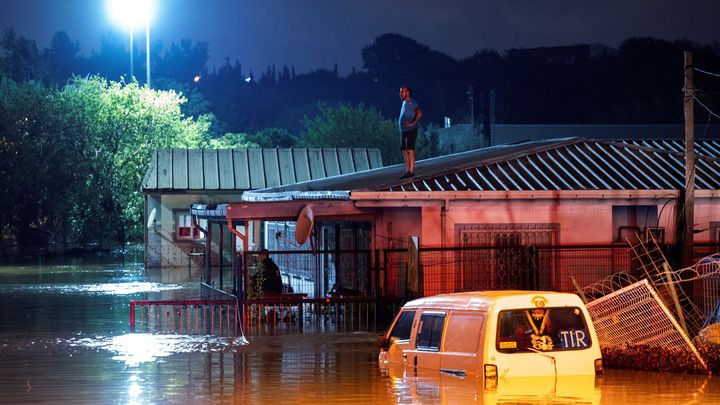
x: 383, y: 342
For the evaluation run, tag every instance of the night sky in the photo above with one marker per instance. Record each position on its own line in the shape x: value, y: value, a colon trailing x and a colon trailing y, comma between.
x: 315, y: 34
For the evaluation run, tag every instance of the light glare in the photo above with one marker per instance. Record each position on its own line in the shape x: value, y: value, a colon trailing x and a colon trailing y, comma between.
x: 131, y: 13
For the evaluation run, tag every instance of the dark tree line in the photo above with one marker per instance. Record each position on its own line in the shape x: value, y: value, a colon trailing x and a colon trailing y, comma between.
x: 640, y: 82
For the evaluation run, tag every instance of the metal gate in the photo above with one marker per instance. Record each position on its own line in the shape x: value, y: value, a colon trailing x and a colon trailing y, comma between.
x: 512, y: 263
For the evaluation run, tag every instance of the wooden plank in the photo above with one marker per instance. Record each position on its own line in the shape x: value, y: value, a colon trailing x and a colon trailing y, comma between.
x: 225, y: 169
x: 287, y: 166
x: 196, y: 174
x: 330, y: 159
x: 272, y: 168
x: 180, y: 169
x: 302, y: 166
x: 375, y: 158
x: 165, y: 169
x: 360, y: 158
x: 150, y: 180
x: 242, y: 171
x: 317, y: 169
x: 347, y: 165
x: 257, y: 169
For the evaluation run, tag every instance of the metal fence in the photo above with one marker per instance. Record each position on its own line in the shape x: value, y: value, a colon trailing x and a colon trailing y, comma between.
x: 636, y: 316
x: 391, y: 272
x: 470, y: 268
x: 314, y: 274
x: 263, y: 316
x: 192, y: 317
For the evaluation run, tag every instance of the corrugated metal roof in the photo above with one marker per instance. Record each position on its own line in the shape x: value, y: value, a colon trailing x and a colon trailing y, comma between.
x: 555, y: 164
x: 234, y: 170
x: 580, y: 164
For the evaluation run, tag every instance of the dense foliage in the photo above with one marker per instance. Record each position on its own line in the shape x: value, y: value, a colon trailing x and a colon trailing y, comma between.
x: 73, y: 157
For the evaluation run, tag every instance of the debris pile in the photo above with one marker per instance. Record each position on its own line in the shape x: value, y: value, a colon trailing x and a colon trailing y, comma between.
x: 652, y: 358
x: 648, y: 324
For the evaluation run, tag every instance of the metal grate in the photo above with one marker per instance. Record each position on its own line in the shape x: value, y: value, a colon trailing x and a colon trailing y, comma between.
x: 635, y: 315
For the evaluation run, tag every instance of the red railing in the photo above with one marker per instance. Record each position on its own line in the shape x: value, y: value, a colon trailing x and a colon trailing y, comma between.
x: 157, y: 316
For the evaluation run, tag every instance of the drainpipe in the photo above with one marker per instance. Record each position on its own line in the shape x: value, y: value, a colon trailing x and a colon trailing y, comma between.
x: 146, y: 237
x: 239, y: 278
x: 443, y: 221
x: 207, y: 273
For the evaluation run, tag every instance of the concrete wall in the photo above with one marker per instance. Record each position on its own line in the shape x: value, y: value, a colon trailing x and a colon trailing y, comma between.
x: 164, y: 249
x: 580, y: 221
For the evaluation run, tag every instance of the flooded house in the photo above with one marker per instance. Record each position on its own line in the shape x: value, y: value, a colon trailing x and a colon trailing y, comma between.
x: 178, y: 178
x: 548, y: 214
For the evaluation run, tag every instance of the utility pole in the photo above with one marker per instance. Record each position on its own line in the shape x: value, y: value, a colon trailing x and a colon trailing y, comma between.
x: 689, y: 203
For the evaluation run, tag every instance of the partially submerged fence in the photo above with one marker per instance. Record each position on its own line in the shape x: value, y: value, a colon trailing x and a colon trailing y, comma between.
x: 318, y: 281
x: 473, y: 268
x: 262, y: 316
x: 636, y: 316
x: 193, y: 317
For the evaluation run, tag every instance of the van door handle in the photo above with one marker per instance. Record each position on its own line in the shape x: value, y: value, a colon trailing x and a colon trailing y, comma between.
x: 404, y: 355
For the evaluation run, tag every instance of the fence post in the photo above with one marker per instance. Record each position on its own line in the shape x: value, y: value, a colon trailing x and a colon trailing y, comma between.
x: 377, y: 293
x: 132, y: 316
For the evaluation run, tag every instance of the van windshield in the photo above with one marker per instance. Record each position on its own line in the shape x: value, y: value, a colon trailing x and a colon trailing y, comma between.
x: 402, y: 328
x: 542, y: 329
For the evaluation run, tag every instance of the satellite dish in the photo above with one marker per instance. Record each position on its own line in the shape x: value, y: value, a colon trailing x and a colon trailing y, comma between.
x: 151, y: 218
x: 304, y: 225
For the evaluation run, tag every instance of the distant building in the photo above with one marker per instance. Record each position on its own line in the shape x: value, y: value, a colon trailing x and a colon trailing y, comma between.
x: 462, y: 137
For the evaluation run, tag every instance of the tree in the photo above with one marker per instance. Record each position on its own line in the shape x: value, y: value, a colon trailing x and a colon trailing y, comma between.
x: 19, y: 57
x: 351, y: 126
x: 124, y: 124
x: 38, y: 153
x: 61, y: 59
x: 267, y: 138
x: 183, y: 62
x: 72, y: 158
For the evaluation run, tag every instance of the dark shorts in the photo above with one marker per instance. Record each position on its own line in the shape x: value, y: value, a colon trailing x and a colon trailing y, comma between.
x: 407, y: 140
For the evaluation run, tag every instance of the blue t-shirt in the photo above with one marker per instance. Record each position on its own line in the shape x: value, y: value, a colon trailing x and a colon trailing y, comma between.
x: 407, y: 114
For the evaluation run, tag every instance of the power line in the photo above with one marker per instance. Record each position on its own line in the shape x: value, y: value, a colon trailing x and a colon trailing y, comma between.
x: 705, y: 107
x: 706, y: 72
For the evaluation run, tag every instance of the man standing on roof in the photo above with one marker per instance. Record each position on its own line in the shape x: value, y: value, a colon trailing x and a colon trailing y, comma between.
x: 410, y: 114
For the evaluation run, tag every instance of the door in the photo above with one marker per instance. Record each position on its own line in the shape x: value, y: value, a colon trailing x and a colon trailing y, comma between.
x: 463, y: 335
x: 427, y: 341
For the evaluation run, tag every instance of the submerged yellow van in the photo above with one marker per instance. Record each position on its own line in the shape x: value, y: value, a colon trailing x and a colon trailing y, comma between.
x: 495, y: 334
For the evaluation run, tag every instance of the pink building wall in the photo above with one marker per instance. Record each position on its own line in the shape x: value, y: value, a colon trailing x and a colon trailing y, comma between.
x: 579, y: 221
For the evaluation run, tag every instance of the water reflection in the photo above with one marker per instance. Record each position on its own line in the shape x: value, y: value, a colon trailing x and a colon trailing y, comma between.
x: 92, y: 289
x: 410, y: 386
x: 64, y: 337
x: 136, y: 348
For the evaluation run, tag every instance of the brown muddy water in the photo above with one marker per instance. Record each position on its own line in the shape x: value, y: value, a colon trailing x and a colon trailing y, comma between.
x: 64, y: 338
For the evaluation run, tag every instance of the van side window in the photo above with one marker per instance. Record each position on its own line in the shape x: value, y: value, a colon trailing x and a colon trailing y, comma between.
x: 403, y: 326
x: 430, y: 331
x: 463, y: 332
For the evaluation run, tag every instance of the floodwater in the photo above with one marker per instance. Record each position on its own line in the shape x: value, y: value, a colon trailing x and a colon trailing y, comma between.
x: 64, y: 337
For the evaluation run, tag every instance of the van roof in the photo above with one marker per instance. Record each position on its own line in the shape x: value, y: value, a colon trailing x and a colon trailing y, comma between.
x: 482, y: 300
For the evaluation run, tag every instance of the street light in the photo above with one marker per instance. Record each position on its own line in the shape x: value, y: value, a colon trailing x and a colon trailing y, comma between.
x: 130, y: 14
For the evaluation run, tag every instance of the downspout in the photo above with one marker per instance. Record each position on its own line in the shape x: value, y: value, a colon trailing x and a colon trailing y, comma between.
x: 208, y: 236
x: 239, y: 278
x: 443, y: 221
x: 145, y: 233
